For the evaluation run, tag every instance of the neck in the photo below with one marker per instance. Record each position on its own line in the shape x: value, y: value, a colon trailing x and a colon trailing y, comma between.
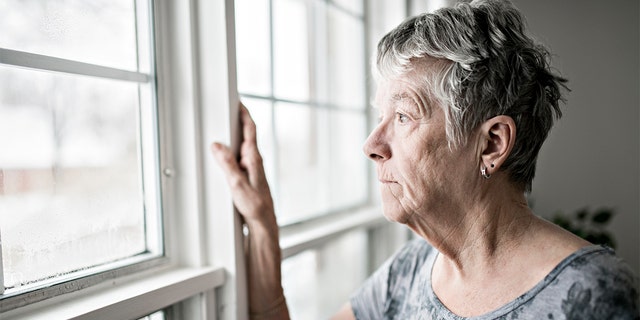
x: 477, y: 234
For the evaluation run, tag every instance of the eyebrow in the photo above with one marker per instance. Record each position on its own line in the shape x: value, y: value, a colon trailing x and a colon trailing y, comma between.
x: 399, y: 96
x: 394, y: 98
x: 422, y: 106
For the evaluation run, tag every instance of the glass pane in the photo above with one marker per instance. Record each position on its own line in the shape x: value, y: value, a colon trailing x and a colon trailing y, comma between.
x: 348, y: 173
x: 98, y: 31
x: 318, y: 282
x: 70, y: 177
x: 346, y: 60
x: 303, y: 162
x: 353, y: 6
x: 253, y: 46
x: 159, y: 315
x: 321, y: 167
x: 291, y: 61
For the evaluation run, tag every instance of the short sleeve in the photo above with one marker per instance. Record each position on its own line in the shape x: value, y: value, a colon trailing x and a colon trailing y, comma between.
x: 368, y: 302
x: 610, y: 292
x: 385, y: 293
x: 593, y: 285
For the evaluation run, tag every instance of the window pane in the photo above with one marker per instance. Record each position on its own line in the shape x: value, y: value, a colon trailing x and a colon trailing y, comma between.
x: 318, y: 282
x: 253, y: 46
x: 98, y: 31
x: 348, y: 164
x: 291, y: 41
x: 303, y: 146
x: 159, y: 315
x: 321, y: 167
x: 70, y: 174
x: 346, y: 60
x: 319, y: 61
x: 353, y: 6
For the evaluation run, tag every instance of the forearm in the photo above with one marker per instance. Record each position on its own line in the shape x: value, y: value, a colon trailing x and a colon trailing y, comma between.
x: 262, y: 247
x: 252, y: 198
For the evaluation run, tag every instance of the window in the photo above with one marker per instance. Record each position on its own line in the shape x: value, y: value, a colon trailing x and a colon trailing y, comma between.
x: 79, y: 172
x: 101, y: 186
x: 109, y: 107
x: 301, y: 72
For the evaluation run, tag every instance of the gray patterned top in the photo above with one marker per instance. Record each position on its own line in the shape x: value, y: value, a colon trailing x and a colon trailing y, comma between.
x: 592, y: 283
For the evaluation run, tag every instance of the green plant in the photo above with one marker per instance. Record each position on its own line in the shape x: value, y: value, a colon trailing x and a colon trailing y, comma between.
x: 589, y: 225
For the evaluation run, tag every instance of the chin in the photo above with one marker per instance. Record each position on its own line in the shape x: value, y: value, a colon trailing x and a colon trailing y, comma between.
x: 391, y: 208
x: 394, y: 213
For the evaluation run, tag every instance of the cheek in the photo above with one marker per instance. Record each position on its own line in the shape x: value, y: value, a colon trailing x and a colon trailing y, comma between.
x: 425, y: 172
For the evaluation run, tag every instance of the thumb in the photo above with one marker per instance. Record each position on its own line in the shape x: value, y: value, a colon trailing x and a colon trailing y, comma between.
x: 227, y: 161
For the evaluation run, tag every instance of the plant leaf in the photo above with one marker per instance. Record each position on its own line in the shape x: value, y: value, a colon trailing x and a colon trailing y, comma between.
x: 602, y: 216
x: 582, y: 214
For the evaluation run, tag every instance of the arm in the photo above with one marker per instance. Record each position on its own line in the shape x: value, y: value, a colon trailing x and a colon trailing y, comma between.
x: 252, y: 198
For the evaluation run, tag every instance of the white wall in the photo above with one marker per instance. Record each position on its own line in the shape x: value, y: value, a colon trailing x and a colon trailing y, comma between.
x: 591, y: 157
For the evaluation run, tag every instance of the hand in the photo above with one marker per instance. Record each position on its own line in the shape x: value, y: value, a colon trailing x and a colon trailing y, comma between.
x: 252, y: 198
x: 246, y: 178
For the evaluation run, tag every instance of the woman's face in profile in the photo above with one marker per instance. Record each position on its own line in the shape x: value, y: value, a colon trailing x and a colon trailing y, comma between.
x: 417, y: 170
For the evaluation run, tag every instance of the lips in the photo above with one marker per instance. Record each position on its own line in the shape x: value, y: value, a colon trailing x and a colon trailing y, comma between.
x: 385, y: 177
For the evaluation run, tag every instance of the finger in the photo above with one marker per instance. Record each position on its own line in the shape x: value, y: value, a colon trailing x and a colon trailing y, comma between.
x: 248, y: 125
x: 236, y: 178
x: 251, y: 161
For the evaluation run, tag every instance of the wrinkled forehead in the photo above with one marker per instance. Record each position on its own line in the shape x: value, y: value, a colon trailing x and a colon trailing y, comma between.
x: 415, y: 85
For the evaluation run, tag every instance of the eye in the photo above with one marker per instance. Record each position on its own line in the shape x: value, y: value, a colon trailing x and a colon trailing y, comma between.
x: 402, y: 118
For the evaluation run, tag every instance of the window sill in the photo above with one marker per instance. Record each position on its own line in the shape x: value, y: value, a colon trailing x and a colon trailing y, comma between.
x: 126, y: 300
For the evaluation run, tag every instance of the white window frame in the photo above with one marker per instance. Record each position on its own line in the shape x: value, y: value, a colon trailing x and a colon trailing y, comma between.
x: 45, y: 289
x: 197, y: 103
x: 204, y: 273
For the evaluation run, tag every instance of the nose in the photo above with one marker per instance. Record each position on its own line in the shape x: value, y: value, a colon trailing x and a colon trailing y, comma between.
x: 376, y: 146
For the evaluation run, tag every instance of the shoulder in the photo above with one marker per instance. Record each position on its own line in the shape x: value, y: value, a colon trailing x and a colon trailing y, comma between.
x: 595, y: 282
x: 402, y: 266
x: 406, y: 263
x: 385, y: 292
x: 598, y: 266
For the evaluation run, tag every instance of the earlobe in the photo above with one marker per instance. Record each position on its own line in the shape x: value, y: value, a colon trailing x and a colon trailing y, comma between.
x: 500, y: 135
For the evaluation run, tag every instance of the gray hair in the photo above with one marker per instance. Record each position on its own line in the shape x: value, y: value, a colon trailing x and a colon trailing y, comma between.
x: 486, y: 66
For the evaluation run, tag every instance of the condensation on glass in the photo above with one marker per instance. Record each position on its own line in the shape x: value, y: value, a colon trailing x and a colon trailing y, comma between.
x: 79, y: 160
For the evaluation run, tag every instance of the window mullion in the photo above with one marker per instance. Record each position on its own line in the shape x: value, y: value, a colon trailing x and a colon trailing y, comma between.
x: 42, y: 62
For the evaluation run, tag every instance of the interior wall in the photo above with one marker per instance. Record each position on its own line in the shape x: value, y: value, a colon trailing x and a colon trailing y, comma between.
x: 591, y: 158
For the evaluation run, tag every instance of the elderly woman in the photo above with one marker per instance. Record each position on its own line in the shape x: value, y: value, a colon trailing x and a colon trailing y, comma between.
x: 465, y: 100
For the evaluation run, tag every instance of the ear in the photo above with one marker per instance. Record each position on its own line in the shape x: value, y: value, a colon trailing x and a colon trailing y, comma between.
x: 498, y: 135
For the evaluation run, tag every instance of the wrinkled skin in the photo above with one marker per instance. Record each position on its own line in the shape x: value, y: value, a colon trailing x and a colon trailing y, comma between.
x: 419, y: 174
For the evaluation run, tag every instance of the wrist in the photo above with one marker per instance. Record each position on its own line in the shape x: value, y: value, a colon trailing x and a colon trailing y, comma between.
x: 266, y: 221
x: 275, y: 308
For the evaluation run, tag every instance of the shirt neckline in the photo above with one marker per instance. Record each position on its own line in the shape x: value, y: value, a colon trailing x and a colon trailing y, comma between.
x: 513, y: 304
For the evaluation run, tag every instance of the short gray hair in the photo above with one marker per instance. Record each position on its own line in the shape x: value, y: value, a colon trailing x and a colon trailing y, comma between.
x: 488, y: 66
